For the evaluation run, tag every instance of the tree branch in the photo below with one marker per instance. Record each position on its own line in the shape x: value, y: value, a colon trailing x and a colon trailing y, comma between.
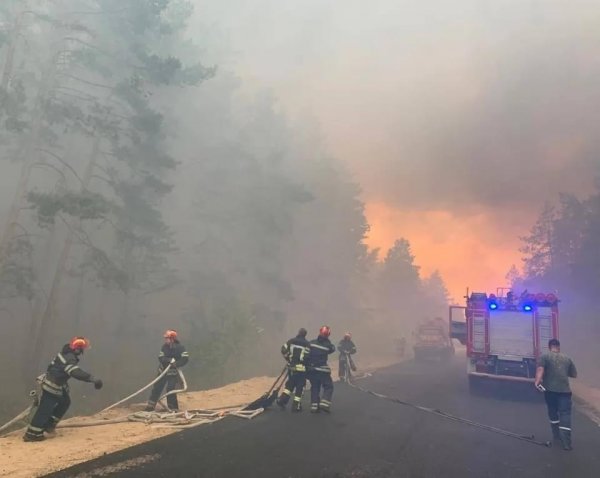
x: 64, y: 163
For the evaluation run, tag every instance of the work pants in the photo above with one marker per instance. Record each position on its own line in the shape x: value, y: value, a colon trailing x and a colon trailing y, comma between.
x: 559, y: 409
x: 172, y: 382
x: 345, y: 360
x: 317, y: 380
x: 293, y: 386
x: 49, y: 412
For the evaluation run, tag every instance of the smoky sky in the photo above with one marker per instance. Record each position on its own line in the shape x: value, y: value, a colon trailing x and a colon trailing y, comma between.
x: 460, y: 105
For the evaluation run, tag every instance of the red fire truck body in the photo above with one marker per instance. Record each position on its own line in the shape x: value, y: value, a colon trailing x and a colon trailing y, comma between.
x: 505, y: 335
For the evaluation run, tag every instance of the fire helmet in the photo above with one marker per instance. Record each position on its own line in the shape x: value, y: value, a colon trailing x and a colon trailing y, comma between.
x: 79, y: 344
x: 325, y: 331
x: 170, y: 334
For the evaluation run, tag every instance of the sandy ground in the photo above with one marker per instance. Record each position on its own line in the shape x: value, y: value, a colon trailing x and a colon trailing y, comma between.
x: 75, y: 445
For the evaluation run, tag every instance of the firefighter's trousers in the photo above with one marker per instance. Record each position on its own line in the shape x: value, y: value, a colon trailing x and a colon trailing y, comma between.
x: 345, y: 359
x: 49, y: 412
x: 559, y: 409
x: 293, y: 386
x: 172, y: 382
x: 317, y: 380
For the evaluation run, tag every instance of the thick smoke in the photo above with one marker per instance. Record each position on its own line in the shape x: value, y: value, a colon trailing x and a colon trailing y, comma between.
x: 462, y: 106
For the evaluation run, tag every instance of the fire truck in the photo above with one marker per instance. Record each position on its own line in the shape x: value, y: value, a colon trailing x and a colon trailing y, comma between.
x: 504, y: 334
x: 432, y: 340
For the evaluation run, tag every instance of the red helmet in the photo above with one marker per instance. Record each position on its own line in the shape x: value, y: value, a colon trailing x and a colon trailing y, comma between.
x: 79, y: 343
x: 170, y: 334
x: 348, y: 335
x: 325, y: 331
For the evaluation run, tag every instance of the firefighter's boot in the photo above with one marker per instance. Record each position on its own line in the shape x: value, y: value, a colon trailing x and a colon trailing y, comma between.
x: 325, y: 405
x: 314, y: 408
x: 565, y: 439
x: 297, y: 405
x: 33, y: 437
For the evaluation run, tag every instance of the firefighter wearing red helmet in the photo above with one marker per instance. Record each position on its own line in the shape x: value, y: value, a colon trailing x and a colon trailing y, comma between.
x: 55, y: 399
x: 346, y: 349
x: 172, y: 353
x: 319, y: 373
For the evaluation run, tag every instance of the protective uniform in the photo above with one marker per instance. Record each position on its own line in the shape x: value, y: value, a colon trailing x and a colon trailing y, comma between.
x: 295, y: 351
x: 173, y: 353
x: 346, y: 348
x: 55, y: 399
x: 319, y: 372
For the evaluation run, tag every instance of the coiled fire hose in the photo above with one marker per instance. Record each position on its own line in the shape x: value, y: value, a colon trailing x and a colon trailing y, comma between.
x: 527, y: 438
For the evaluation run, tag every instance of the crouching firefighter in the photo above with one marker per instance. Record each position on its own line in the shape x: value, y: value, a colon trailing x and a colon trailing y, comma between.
x: 55, y: 399
x: 172, y: 353
x: 346, y: 348
x: 295, y: 352
x: 319, y: 372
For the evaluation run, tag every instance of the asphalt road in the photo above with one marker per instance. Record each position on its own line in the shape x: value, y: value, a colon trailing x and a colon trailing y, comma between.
x: 369, y: 437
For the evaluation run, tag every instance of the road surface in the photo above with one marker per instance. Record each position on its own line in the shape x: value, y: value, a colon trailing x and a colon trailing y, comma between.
x: 369, y: 437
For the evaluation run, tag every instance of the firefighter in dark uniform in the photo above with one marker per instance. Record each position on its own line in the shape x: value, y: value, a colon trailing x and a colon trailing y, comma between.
x: 319, y: 372
x: 295, y: 352
x: 55, y: 399
x: 172, y: 353
x: 346, y: 348
x: 553, y: 372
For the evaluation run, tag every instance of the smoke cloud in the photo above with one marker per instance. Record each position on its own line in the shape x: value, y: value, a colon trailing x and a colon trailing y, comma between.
x: 460, y: 106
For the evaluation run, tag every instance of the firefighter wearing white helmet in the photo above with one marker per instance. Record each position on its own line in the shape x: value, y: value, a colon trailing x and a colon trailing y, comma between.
x: 172, y: 353
x: 346, y: 349
x: 319, y: 371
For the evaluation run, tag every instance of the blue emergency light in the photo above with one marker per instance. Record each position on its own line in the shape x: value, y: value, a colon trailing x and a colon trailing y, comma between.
x: 493, y: 305
x: 527, y: 308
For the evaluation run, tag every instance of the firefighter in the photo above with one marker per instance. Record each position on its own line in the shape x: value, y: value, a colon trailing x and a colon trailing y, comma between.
x: 172, y: 353
x: 295, y: 351
x: 319, y: 372
x: 553, y: 372
x: 346, y: 348
x: 55, y: 399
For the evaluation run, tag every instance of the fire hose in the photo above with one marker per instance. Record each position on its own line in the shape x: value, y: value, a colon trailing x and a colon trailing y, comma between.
x: 527, y: 438
x: 24, y: 413
x: 144, y: 388
x: 185, y: 419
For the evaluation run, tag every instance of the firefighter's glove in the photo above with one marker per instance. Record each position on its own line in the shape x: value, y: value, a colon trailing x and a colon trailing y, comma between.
x: 98, y: 384
x: 172, y: 362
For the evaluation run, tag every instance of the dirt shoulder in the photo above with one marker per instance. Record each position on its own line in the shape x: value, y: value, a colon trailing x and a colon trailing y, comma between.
x: 75, y: 445
x: 71, y: 446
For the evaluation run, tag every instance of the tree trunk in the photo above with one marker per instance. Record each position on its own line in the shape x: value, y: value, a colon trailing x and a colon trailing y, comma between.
x: 47, y: 320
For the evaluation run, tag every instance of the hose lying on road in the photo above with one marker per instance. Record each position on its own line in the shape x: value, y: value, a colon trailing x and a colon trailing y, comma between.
x: 267, y: 398
x: 185, y: 419
x: 528, y: 438
x: 23, y: 414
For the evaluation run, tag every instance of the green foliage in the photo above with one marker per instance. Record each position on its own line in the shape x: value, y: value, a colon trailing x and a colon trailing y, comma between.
x: 562, y: 250
x: 83, y: 206
x: 17, y: 276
